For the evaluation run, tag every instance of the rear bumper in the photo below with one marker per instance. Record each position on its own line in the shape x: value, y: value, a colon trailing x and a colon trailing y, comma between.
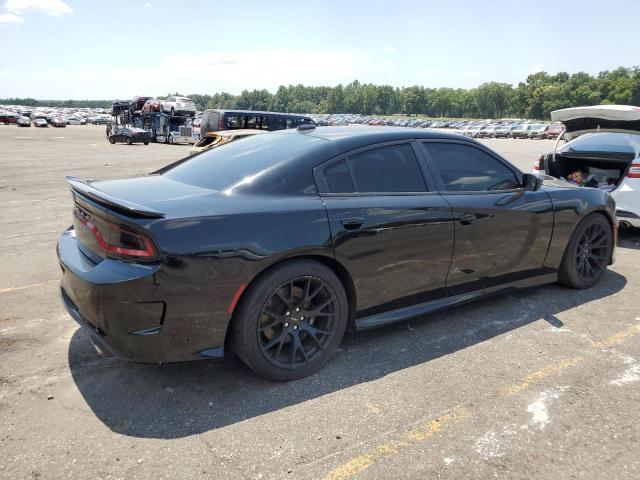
x: 628, y: 218
x: 129, y: 314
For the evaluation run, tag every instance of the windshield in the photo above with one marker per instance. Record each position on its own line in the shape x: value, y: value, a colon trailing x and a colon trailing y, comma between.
x: 605, y: 142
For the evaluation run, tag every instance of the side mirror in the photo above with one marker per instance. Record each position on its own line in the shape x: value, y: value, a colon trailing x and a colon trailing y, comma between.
x: 531, y: 182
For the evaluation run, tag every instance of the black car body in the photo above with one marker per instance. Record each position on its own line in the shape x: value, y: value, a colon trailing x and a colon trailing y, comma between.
x: 129, y: 135
x: 219, y: 119
x: 192, y: 242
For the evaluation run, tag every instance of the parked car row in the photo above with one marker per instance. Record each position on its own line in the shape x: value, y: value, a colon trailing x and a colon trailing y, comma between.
x: 506, y: 128
x: 55, y: 117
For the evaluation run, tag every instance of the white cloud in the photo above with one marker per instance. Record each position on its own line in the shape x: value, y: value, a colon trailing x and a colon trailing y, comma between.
x: 11, y: 18
x: 431, y: 72
x: 538, y: 67
x: 147, y: 5
x: 55, y: 8
x: 210, y: 72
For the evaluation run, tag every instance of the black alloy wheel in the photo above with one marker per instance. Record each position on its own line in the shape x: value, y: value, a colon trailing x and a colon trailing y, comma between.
x: 592, y: 254
x: 290, y: 320
x: 298, y: 322
x: 588, y: 253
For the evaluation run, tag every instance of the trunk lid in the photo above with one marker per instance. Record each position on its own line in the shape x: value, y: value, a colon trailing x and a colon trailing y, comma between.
x: 598, y: 118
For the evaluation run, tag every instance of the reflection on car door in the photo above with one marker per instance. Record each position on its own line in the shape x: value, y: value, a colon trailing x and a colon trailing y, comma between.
x: 393, y: 235
x: 502, y: 231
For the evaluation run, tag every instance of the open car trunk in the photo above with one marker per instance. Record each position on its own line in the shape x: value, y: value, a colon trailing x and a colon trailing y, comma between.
x: 598, y: 162
x: 598, y: 171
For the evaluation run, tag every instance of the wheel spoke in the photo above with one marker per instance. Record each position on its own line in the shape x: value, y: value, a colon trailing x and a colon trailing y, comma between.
x: 589, y: 267
x: 270, y: 325
x: 274, y: 341
x: 283, y: 299
x: 312, y: 295
x: 279, y: 349
x: 267, y: 311
x: 318, y: 310
x: 297, y: 345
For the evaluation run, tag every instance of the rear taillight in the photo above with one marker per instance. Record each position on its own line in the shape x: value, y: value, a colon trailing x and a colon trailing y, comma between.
x: 221, y: 123
x: 634, y: 171
x: 538, y: 165
x: 114, y: 239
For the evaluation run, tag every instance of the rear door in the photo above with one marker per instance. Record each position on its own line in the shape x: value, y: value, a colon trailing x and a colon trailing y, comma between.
x: 390, y: 228
x: 502, y: 231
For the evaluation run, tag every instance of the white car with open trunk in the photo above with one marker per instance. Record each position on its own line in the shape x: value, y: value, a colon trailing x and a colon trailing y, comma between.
x: 602, y: 150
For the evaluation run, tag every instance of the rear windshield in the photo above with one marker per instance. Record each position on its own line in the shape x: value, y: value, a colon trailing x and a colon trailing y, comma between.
x: 241, y: 163
x: 605, y: 142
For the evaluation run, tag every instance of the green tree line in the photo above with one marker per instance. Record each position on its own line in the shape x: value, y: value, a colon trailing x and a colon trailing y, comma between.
x: 535, y: 98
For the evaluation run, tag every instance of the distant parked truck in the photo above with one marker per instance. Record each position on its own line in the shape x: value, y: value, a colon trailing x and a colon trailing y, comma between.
x: 171, y: 129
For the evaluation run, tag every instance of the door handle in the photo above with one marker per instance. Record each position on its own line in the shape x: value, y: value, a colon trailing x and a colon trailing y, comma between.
x: 467, y: 218
x: 352, y: 223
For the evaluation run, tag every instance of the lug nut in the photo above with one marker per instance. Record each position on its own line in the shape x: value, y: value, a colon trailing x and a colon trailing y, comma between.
x: 301, y: 317
x: 287, y: 312
x: 286, y: 324
x: 297, y: 309
x: 295, y: 327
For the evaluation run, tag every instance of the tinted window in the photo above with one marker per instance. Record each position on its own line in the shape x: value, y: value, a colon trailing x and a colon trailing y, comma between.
x: 277, y: 123
x: 604, y: 142
x: 251, y: 122
x: 233, y: 121
x: 464, y: 168
x: 338, y: 178
x: 257, y: 163
x: 386, y: 169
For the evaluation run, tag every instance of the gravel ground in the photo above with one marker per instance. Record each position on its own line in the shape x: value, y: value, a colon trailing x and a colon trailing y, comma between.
x: 537, y: 384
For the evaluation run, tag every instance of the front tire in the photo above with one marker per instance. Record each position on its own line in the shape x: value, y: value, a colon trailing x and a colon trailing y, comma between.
x: 290, y: 320
x: 128, y: 141
x: 587, y: 254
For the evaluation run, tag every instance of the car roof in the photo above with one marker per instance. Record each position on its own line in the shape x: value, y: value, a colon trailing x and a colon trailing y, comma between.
x: 260, y: 112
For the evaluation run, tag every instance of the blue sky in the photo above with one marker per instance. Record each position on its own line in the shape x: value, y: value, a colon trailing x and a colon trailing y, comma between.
x: 55, y: 49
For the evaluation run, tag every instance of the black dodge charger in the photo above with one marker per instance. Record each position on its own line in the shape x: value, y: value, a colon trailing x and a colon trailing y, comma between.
x: 276, y: 245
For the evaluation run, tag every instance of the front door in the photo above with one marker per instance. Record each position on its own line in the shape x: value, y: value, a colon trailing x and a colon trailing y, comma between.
x: 502, y: 231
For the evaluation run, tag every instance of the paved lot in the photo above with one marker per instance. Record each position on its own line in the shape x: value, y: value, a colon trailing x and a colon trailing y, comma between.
x: 538, y: 384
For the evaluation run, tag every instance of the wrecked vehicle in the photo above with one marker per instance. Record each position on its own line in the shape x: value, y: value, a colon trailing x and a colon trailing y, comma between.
x: 216, y: 139
x: 602, y: 151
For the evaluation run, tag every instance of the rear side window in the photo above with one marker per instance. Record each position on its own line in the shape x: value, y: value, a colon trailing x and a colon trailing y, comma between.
x: 392, y: 169
x: 338, y: 178
x: 463, y: 168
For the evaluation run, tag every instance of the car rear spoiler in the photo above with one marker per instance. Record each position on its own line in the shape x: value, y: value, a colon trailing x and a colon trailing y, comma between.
x: 84, y: 188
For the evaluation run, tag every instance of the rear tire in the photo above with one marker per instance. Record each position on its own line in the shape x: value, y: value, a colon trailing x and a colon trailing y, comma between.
x: 112, y: 141
x: 128, y: 141
x: 587, y: 254
x: 290, y: 320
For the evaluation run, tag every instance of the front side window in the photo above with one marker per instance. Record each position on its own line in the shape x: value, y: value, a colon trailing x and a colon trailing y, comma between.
x: 463, y: 168
x: 391, y: 169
